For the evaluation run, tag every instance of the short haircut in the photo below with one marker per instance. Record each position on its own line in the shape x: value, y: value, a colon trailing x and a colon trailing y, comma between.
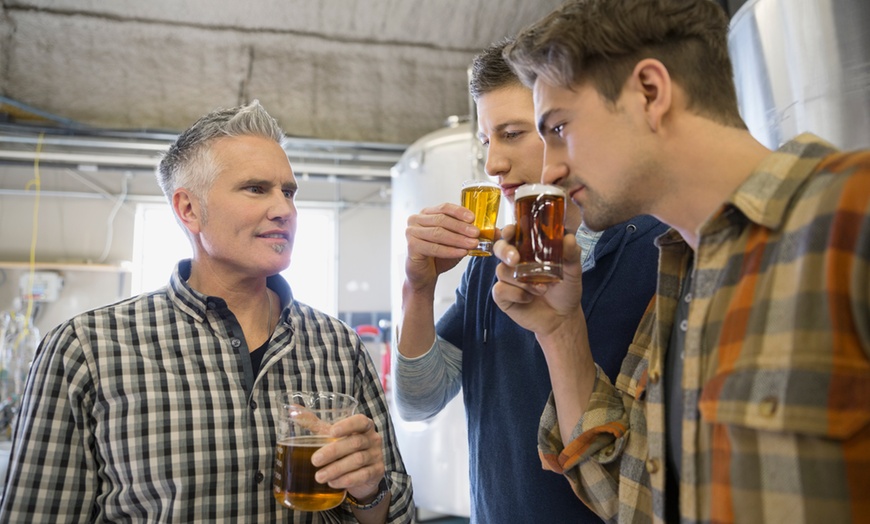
x: 490, y: 71
x: 189, y: 162
x: 600, y: 41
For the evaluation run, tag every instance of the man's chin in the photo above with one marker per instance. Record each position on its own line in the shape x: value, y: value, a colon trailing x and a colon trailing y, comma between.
x: 592, y: 224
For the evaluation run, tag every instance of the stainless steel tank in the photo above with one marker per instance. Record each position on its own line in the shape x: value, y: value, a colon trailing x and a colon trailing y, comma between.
x: 431, y: 171
x: 803, y: 65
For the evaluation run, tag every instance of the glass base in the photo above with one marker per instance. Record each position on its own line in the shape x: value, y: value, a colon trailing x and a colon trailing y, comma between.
x: 538, y: 272
x: 484, y: 249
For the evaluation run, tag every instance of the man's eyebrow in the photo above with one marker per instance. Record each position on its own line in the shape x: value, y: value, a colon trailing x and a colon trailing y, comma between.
x: 543, y: 120
x: 253, y: 181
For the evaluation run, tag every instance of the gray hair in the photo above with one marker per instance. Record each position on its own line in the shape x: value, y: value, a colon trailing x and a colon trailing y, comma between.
x: 189, y: 162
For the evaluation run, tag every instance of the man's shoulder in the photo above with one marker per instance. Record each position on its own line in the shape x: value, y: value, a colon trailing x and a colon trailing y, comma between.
x: 312, y: 316
x: 853, y: 166
x: 840, y: 183
x: 80, y: 336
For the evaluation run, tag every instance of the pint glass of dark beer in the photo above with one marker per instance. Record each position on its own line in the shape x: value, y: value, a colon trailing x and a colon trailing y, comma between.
x: 303, y: 428
x: 540, y: 225
x: 482, y: 197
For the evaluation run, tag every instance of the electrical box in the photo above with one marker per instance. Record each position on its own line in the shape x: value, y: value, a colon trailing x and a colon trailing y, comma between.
x: 40, y: 286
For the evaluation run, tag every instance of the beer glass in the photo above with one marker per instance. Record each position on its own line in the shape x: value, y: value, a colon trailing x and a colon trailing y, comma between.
x: 303, y: 428
x: 482, y: 198
x: 540, y: 226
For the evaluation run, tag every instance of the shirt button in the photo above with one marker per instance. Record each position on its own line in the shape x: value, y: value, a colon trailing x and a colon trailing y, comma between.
x: 236, y: 343
x: 654, y: 376
x: 652, y: 466
x: 768, y: 407
x: 684, y: 325
x: 259, y: 477
x: 253, y: 404
x: 688, y: 297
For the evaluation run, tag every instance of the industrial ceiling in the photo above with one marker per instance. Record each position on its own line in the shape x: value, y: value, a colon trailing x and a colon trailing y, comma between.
x: 351, y: 70
x: 352, y: 82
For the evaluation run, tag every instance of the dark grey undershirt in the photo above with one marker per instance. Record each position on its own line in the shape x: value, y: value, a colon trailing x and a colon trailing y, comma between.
x: 257, y: 356
x: 674, y: 400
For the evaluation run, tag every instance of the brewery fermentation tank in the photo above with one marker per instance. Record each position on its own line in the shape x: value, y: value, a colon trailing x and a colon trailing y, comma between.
x: 803, y: 65
x: 435, y: 452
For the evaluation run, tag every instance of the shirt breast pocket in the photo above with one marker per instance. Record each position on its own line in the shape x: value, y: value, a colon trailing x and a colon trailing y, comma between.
x: 815, y: 402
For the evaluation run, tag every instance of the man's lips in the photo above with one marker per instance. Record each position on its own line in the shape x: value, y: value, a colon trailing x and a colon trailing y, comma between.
x: 575, y: 193
x: 508, y: 190
x: 275, y: 235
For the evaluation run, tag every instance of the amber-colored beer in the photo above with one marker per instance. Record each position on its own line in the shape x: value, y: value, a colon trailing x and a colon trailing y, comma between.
x: 294, y: 485
x: 482, y: 198
x: 540, y: 216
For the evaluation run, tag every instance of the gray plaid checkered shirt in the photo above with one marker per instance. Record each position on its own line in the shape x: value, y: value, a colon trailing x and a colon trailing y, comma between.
x: 148, y: 410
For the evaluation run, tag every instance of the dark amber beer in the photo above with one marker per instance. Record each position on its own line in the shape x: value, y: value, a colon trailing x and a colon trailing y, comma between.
x: 303, y: 426
x: 482, y: 198
x: 540, y: 226
x: 294, y: 484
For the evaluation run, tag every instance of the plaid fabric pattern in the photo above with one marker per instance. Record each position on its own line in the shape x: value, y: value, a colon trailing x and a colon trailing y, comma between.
x: 776, y: 382
x: 146, y: 411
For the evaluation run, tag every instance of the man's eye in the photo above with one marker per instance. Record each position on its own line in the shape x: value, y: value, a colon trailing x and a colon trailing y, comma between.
x: 511, y: 135
x: 254, y: 189
x: 290, y: 193
x: 557, y: 129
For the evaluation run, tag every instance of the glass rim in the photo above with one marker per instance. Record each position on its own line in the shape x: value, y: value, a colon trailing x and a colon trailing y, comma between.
x: 538, y: 189
x: 345, y: 401
x: 476, y: 182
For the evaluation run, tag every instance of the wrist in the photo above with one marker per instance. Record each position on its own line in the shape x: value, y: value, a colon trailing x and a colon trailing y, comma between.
x: 419, y: 289
x: 372, y: 500
x: 566, y: 336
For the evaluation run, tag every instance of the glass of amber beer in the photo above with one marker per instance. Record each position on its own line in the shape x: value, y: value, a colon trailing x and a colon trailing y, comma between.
x: 303, y: 428
x: 540, y: 226
x: 482, y: 198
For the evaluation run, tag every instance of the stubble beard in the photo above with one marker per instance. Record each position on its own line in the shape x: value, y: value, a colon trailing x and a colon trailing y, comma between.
x: 599, y: 216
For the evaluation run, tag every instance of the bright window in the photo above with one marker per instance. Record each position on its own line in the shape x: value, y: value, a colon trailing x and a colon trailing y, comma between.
x: 159, y: 243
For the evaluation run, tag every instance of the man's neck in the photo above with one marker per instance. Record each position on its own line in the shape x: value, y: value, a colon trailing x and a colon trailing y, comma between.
x: 705, y: 169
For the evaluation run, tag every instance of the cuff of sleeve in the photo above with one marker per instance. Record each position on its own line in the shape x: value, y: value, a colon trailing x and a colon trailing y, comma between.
x: 603, y: 423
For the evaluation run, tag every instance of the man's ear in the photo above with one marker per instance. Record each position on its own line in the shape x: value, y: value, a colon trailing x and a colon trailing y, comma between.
x: 187, y: 209
x: 651, y: 78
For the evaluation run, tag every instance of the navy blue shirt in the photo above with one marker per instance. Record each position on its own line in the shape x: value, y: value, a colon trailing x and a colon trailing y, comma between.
x: 505, y: 380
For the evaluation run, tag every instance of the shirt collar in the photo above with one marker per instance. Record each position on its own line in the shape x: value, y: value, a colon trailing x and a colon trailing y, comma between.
x: 766, y: 195
x: 196, y: 304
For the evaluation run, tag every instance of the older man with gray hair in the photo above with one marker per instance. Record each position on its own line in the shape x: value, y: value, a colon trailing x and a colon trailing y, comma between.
x: 163, y: 407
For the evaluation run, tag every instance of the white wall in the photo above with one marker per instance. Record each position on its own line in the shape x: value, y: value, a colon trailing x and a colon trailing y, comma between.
x: 364, y: 259
x: 67, y: 229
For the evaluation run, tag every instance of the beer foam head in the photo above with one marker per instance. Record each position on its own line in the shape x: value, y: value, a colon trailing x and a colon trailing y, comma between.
x: 538, y: 189
x: 479, y: 183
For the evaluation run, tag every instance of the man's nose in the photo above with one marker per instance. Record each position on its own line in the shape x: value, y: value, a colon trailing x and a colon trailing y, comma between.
x: 497, y: 164
x: 282, y: 207
x: 553, y: 171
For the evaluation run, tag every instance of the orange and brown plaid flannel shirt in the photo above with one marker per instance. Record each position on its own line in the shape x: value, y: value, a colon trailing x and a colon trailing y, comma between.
x: 776, y: 379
